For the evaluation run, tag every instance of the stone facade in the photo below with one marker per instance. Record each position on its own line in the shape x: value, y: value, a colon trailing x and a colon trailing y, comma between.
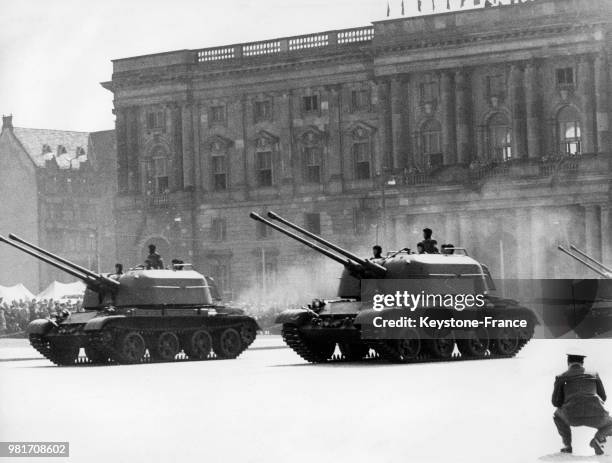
x: 490, y: 126
x: 58, y: 189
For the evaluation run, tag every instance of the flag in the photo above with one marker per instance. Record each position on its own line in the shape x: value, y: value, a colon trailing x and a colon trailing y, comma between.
x: 402, y: 7
x: 419, y: 5
x: 388, y: 10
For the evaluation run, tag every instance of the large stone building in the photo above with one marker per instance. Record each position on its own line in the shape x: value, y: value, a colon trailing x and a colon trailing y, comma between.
x: 57, y: 189
x: 490, y: 126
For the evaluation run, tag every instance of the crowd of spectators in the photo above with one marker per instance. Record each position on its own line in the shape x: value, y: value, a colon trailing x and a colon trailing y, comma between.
x: 15, y: 316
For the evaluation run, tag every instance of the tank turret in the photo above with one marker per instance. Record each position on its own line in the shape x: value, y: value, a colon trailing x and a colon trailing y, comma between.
x: 347, y: 321
x: 139, y: 315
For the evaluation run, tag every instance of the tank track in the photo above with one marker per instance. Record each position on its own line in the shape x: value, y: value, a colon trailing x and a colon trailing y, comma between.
x: 379, y: 350
x: 108, y: 354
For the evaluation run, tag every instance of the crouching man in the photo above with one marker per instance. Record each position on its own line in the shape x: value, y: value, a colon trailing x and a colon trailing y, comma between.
x: 579, y: 396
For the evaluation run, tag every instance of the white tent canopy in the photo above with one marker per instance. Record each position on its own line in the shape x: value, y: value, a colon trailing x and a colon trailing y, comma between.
x: 15, y: 293
x: 57, y: 290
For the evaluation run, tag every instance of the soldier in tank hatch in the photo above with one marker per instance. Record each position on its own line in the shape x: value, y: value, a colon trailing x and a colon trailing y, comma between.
x: 154, y: 260
x: 579, y: 396
x: 429, y: 244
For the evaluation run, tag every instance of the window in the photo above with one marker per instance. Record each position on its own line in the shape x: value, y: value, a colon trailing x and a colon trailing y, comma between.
x: 312, y: 156
x: 160, y: 176
x: 312, y: 222
x: 431, y: 144
x: 221, y: 271
x: 500, y: 138
x: 261, y: 230
x: 496, y: 86
x: 363, y: 220
x: 219, y: 170
x: 429, y: 92
x: 268, y: 269
x: 218, y: 229
x: 565, y: 76
x: 156, y: 120
x: 360, y: 100
x: 361, y: 153
x: 264, y: 168
x: 263, y: 111
x: 217, y: 115
x: 310, y: 103
x: 570, y: 136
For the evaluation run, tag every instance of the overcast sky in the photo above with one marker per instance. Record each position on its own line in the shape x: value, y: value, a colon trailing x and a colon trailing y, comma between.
x: 55, y: 53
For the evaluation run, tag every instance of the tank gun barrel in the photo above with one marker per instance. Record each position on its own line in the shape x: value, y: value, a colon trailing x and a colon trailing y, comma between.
x: 85, y: 278
x: 53, y: 256
x: 584, y: 254
x: 585, y: 263
x: 93, y: 280
x: 323, y: 251
x: 374, y: 267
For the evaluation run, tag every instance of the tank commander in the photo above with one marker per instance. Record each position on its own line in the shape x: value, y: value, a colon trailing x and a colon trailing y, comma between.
x: 420, y: 249
x: 118, y: 271
x: 429, y: 244
x: 154, y: 260
x: 579, y: 396
x: 177, y: 264
x: 377, y: 251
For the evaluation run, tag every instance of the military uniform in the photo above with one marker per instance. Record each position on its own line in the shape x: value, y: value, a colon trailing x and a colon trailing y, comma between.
x: 429, y: 246
x: 579, y: 396
x: 154, y: 261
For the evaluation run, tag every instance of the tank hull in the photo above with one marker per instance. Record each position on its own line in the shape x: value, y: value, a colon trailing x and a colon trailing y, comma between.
x: 315, y: 337
x: 134, y: 335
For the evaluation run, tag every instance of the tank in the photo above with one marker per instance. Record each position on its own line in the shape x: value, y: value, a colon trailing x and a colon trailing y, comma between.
x: 347, y: 321
x: 581, y: 307
x: 140, y: 315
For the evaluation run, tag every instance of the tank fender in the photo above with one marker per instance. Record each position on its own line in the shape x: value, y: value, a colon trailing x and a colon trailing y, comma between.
x: 295, y: 316
x: 40, y: 326
x: 98, y: 323
x: 366, y: 317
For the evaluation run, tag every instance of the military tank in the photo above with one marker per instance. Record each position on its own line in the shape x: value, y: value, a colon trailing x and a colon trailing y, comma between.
x: 348, y: 321
x: 127, y: 315
x: 581, y: 307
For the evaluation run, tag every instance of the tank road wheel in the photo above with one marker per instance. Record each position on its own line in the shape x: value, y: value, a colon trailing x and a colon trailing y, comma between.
x: 64, y: 353
x: 248, y: 333
x: 353, y: 351
x: 131, y: 347
x: 475, y: 343
x: 95, y: 355
x: 402, y: 350
x: 441, y: 345
x: 506, y: 343
x: 227, y: 344
x: 165, y: 347
x: 198, y: 345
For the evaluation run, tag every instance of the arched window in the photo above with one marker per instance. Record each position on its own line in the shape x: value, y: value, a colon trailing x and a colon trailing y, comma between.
x: 362, y: 152
x: 570, y: 136
x: 312, y: 152
x: 158, y: 179
x: 500, y: 138
x: 431, y: 143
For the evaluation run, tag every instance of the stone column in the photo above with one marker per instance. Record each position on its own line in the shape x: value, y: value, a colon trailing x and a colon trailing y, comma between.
x: 197, y: 165
x: 448, y: 119
x: 592, y: 224
x: 122, y: 148
x: 462, y: 116
x: 586, y: 81
x: 187, y: 135
x: 397, y: 108
x: 532, y: 110
x: 334, y: 143
x: 517, y: 95
x: 525, y: 234
x: 384, y: 157
x: 602, y: 84
x: 606, y: 234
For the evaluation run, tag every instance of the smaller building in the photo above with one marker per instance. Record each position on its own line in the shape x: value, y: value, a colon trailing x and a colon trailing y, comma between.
x: 57, y: 188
